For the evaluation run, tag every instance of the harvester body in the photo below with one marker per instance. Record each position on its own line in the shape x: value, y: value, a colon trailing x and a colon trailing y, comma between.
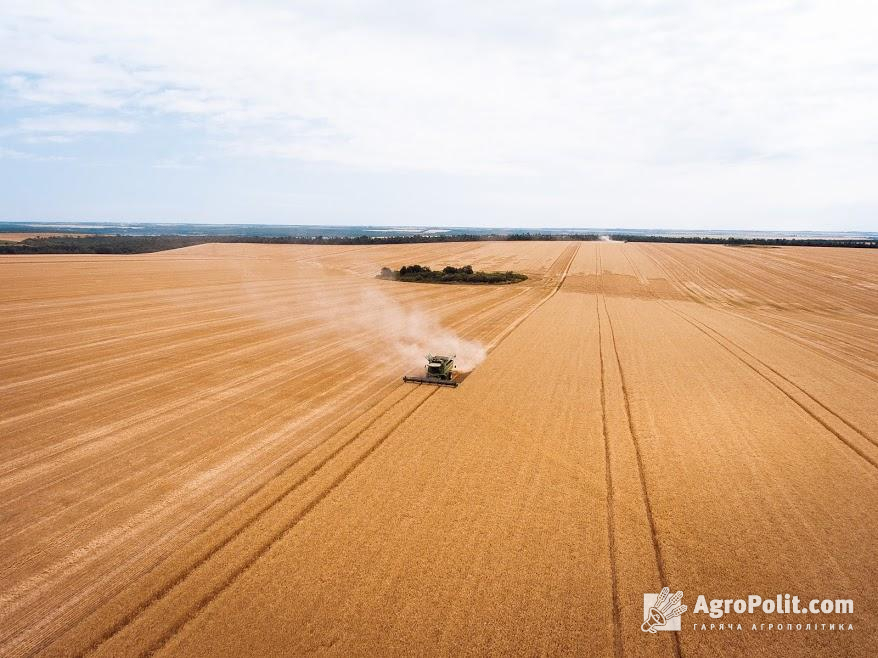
x: 439, y: 370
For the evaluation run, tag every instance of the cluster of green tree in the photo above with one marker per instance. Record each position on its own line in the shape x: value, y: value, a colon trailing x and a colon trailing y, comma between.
x: 546, y: 237
x: 757, y: 242
x: 449, y: 274
x: 140, y: 244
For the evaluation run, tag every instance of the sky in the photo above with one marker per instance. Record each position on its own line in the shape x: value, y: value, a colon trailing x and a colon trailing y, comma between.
x: 622, y: 113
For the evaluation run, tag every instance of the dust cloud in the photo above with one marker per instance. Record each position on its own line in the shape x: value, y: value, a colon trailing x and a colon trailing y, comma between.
x: 412, y: 333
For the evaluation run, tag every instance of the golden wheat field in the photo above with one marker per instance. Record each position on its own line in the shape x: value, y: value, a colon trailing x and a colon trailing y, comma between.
x: 210, y: 451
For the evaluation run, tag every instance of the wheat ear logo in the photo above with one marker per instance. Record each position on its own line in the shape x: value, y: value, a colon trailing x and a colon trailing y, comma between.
x: 661, y: 612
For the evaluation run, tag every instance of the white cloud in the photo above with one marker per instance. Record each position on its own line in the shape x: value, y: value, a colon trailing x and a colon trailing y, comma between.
x: 604, y: 96
x: 12, y: 154
x: 71, y: 124
x: 172, y: 163
x: 15, y: 154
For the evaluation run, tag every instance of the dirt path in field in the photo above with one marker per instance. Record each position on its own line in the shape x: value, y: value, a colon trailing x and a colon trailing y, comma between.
x: 210, y: 451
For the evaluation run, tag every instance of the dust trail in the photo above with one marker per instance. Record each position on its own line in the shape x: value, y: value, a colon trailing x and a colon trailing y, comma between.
x: 369, y: 319
x: 411, y: 333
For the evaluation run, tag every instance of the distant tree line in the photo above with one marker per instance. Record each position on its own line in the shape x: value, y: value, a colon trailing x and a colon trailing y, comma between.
x: 99, y: 244
x: 449, y: 274
x: 744, y: 242
x: 140, y: 244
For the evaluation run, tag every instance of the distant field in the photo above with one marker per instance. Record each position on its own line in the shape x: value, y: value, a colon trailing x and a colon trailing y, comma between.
x: 210, y: 450
x: 18, y: 237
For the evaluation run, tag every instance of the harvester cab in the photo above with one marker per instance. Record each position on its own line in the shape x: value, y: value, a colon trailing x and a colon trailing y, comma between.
x: 439, y: 370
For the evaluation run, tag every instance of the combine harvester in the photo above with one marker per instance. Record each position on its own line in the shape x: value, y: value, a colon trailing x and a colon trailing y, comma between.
x: 439, y: 371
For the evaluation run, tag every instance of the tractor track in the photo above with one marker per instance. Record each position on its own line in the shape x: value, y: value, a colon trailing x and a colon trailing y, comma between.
x: 656, y: 545
x: 659, y: 557
x: 121, y: 569
x: 133, y: 392
x: 789, y: 381
x: 119, y: 317
x: 722, y: 341
x: 214, y: 549
x: 826, y: 408
x: 823, y: 350
x: 226, y: 313
x: 618, y: 649
x: 573, y: 250
x: 253, y: 387
x: 134, y: 314
x: 198, y: 417
x: 280, y: 534
x: 728, y: 344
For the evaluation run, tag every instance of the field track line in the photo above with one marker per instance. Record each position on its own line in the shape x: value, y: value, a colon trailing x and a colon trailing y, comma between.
x: 119, y: 302
x: 279, y: 535
x: 813, y: 398
x: 720, y: 341
x: 345, y: 424
x: 99, y: 318
x: 795, y: 278
x: 123, y: 360
x: 704, y: 327
x: 216, y: 548
x: 659, y: 558
x: 516, y: 323
x: 811, y: 329
x: 97, y: 494
x: 618, y: 649
x: 227, y: 312
x: 122, y: 314
x: 833, y: 340
x: 252, y: 383
x: 156, y: 346
x: 130, y: 390
x: 823, y: 350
